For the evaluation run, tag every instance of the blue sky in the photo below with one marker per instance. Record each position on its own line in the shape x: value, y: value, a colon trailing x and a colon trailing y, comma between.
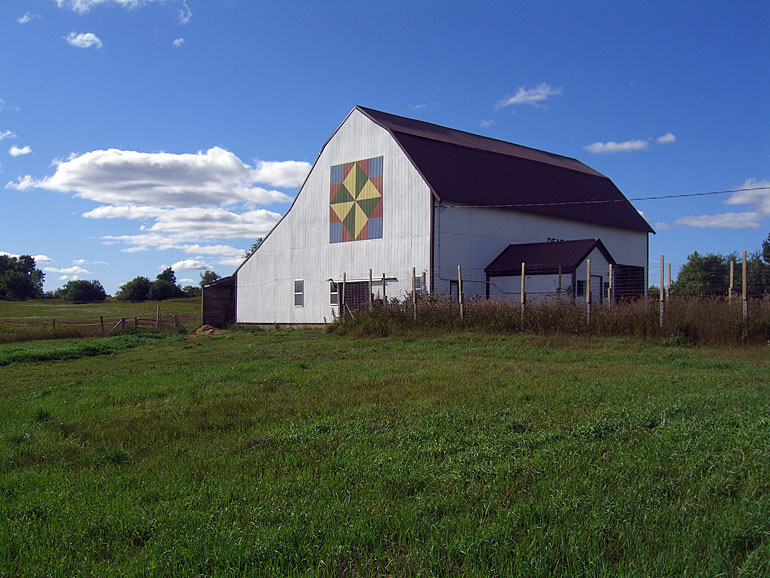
x: 140, y: 134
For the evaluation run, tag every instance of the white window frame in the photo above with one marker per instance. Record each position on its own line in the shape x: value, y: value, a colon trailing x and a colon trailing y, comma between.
x: 299, y: 295
x: 334, y: 293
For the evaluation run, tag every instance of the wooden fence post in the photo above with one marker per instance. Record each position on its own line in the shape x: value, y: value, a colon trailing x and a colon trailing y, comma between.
x: 157, y: 317
x: 732, y: 282
x: 122, y: 322
x: 523, y: 297
x: 558, y: 290
x: 414, y: 293
x: 370, y: 289
x: 460, y: 291
x: 53, y: 325
x: 344, y: 286
x: 101, y: 323
x: 745, y: 293
x: 176, y: 322
x: 662, y: 293
x: 384, y: 299
x: 423, y: 285
x: 610, y: 289
x: 588, y: 292
x: 136, y: 323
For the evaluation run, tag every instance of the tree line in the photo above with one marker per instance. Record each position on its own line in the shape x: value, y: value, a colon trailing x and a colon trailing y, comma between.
x: 710, y: 274
x: 20, y: 279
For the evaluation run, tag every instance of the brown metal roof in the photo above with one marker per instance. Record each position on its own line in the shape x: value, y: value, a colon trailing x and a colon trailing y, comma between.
x: 545, y: 258
x: 470, y: 169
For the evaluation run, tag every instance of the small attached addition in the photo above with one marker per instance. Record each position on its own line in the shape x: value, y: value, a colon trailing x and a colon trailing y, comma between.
x: 355, y: 201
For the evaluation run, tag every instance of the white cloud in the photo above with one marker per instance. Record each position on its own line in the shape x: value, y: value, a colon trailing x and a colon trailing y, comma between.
x: 612, y: 147
x: 181, y: 229
x: 231, y: 261
x: 185, y: 14
x: 187, y: 280
x: 178, y: 42
x: 86, y: 262
x: 7, y: 134
x: 282, y: 174
x: 191, y: 265
x: 756, y: 197
x: 22, y: 183
x: 28, y: 17
x: 125, y: 178
x: 84, y: 40
x: 533, y: 96
x: 38, y: 258
x: 667, y: 138
x: 5, y: 106
x: 733, y: 221
x: 74, y: 270
x: 83, y: 6
x: 487, y: 123
x: 69, y: 277
x: 15, y: 151
x: 662, y: 226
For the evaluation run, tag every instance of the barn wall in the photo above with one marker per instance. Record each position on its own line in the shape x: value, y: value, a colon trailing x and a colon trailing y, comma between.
x: 299, y: 246
x: 473, y: 236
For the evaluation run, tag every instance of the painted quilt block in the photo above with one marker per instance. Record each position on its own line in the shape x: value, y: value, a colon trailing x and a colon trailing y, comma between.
x: 355, y: 201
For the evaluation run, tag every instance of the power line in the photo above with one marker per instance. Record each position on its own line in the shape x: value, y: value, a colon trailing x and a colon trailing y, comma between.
x: 602, y: 201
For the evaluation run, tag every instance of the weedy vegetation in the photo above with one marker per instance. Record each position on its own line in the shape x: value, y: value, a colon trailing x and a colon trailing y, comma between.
x: 435, y: 452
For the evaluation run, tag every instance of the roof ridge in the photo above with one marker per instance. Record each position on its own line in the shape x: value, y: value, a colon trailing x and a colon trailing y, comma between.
x: 372, y: 114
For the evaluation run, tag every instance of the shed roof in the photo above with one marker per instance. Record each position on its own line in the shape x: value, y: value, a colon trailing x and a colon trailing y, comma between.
x: 545, y: 258
x: 475, y: 170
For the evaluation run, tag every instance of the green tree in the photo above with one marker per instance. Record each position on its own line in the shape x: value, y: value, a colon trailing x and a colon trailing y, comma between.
x: 167, y: 275
x: 208, y: 277
x: 84, y: 291
x: 248, y: 253
x: 162, y: 289
x: 766, y: 250
x: 191, y: 291
x: 20, y: 278
x: 138, y: 289
x: 703, y: 274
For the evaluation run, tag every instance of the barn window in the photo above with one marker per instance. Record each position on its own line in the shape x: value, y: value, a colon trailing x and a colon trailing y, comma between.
x: 299, y: 293
x: 418, y: 284
x: 334, y: 293
x: 581, y: 288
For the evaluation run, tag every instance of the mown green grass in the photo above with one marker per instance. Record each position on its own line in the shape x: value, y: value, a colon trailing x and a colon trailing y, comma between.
x: 303, y: 453
x: 31, y: 320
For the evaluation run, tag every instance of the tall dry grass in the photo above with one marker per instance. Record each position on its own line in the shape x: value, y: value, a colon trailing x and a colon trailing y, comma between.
x: 687, y: 320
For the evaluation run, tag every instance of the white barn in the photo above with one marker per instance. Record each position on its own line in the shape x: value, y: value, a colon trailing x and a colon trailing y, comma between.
x: 389, y: 194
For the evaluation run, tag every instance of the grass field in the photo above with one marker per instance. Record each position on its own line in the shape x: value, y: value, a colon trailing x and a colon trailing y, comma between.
x: 25, y: 320
x: 304, y: 453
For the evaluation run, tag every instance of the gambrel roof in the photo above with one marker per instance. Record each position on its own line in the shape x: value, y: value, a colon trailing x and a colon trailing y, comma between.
x: 475, y: 170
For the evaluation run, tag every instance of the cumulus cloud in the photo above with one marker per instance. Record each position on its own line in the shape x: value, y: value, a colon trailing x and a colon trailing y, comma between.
x: 733, y: 221
x: 487, y: 123
x: 191, y: 265
x: 126, y: 178
x: 74, y: 270
x: 535, y: 96
x: 613, y: 147
x: 182, y: 228
x: 84, y: 40
x: 755, y: 196
x: 38, y: 258
x: 4, y: 134
x: 86, y: 262
x: 27, y: 18
x: 282, y: 174
x: 666, y: 138
x: 178, y: 42
x: 83, y: 6
x: 15, y: 151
